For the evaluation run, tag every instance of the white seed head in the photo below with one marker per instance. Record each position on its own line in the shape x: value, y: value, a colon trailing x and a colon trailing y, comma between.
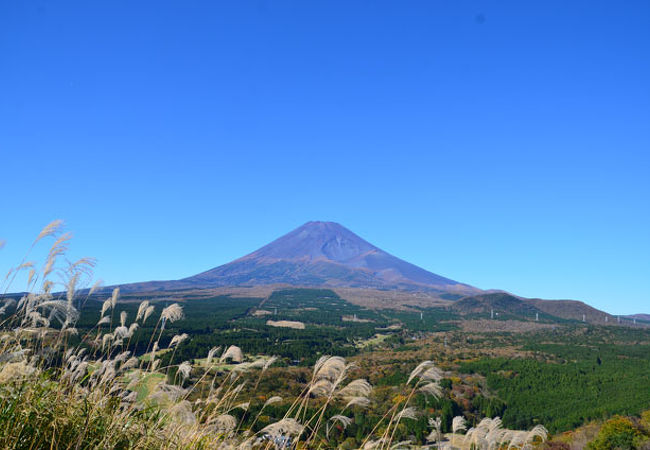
x: 211, y: 354
x: 224, y: 423
x: 51, y: 229
x: 422, y: 368
x: 408, y: 413
x: 133, y: 328
x: 234, y: 353
x: 433, y: 389
x: 356, y: 388
x: 179, y: 338
x: 172, y: 313
x: 148, y: 312
x: 141, y: 309
x: 283, y: 427
x: 116, y: 294
x: 185, y: 369
x: 105, y: 306
x: 272, y: 400
x: 458, y: 424
x: 362, y: 402
x: 104, y: 320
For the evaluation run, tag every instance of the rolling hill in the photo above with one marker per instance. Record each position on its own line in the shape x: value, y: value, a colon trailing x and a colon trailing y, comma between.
x: 500, y: 303
x: 505, y: 305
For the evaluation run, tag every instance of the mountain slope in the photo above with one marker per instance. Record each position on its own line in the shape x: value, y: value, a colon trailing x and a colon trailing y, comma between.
x: 325, y: 254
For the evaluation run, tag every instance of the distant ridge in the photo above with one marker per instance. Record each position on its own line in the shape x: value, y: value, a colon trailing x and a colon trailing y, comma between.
x: 504, y: 304
x: 318, y: 254
x: 643, y: 317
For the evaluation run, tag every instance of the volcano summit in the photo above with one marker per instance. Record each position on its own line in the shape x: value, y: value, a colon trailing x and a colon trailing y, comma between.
x: 323, y: 254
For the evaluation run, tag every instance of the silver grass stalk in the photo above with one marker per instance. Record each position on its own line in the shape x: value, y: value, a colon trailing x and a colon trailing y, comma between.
x: 50, y: 229
x: 224, y: 423
x: 269, y: 362
x: 79, y: 371
x: 95, y: 286
x: 184, y: 369
x: 321, y: 388
x: 60, y: 310
x: 272, y: 400
x: 104, y: 320
x: 141, y: 309
x: 539, y: 431
x: 120, y: 332
x: 26, y: 265
x: 343, y: 420
x: 257, y: 364
x: 243, y: 406
x: 131, y: 363
x: 284, y: 427
x: 70, y: 287
x: 234, y: 353
x: 121, y: 357
x: 408, y: 413
x: 148, y: 312
x: 432, y: 389
x: 338, y: 418
x: 178, y: 339
x: 355, y: 388
x: 213, y: 351
x: 47, y: 286
x: 458, y: 424
x: 329, y: 368
x: 116, y: 294
x: 419, y: 370
x: 59, y: 247
x: 436, y: 434
x: 172, y: 313
x: 32, y: 273
x: 106, y: 339
x: 362, y: 402
x: 132, y: 329
x: 105, y: 306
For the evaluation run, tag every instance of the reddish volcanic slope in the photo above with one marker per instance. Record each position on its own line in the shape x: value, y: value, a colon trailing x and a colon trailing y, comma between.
x: 325, y: 254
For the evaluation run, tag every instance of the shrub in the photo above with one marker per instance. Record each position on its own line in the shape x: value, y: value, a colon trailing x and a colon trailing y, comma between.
x: 618, y: 433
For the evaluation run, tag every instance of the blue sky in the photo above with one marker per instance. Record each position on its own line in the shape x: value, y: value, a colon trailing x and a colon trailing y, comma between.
x: 502, y: 144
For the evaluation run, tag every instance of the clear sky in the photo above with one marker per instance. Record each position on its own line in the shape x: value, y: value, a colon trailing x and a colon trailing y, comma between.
x: 502, y: 144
